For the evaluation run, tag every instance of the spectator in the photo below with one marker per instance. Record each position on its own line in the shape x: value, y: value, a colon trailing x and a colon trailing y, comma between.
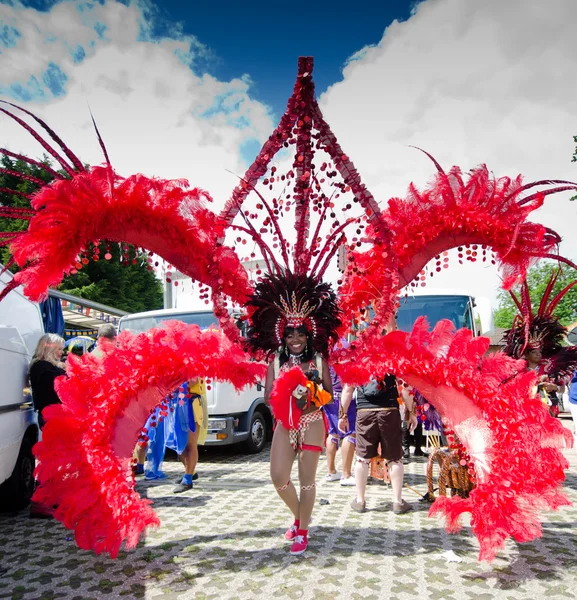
x: 379, y: 422
x: 336, y: 438
x: 45, y: 367
x: 106, y: 335
x: 188, y: 427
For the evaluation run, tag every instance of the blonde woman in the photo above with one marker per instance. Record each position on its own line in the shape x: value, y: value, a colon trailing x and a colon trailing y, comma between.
x: 45, y: 367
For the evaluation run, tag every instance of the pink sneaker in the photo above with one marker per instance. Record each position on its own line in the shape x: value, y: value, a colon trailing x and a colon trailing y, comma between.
x: 291, y: 533
x: 300, y: 542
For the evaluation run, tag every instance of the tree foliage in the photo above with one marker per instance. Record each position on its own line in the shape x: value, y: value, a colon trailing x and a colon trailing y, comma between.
x: 129, y: 284
x: 538, y: 277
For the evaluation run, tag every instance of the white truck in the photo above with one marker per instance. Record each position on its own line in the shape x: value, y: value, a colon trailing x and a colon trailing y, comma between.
x: 458, y: 306
x: 233, y: 417
x: 20, y: 329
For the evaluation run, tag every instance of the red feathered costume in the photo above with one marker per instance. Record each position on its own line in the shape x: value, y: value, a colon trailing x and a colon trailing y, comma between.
x: 513, y: 443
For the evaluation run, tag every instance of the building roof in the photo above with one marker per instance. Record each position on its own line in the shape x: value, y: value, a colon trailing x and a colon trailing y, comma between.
x: 496, y: 336
x: 79, y: 312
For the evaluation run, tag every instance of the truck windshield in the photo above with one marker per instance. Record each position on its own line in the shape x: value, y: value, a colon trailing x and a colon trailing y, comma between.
x: 435, y: 308
x: 140, y: 324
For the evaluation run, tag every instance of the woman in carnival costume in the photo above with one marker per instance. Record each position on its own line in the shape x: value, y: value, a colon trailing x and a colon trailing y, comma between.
x: 322, y: 200
x: 345, y: 440
x: 539, y: 338
x: 294, y: 319
x: 187, y: 428
x: 179, y: 422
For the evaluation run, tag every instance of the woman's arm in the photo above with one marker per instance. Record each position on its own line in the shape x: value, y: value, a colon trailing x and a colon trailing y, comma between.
x: 326, y: 379
x: 268, y: 382
x: 410, y: 416
x: 346, y: 398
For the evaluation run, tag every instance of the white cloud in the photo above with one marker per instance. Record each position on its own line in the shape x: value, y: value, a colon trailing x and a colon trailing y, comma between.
x: 470, y: 82
x: 154, y: 113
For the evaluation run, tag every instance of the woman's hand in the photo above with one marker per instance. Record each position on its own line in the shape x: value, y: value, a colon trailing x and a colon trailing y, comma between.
x: 412, y: 422
x: 343, y: 424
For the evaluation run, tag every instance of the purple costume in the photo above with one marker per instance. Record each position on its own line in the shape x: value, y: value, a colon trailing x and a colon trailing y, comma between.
x: 332, y: 410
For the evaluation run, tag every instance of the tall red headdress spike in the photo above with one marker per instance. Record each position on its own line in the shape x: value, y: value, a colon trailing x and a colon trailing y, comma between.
x: 446, y: 188
x: 78, y: 166
x: 29, y: 178
x: 541, y: 194
x: 31, y: 161
x: 528, y: 186
x: 526, y: 299
x: 516, y: 300
x: 303, y: 163
x: 100, y: 140
x: 15, y: 193
x: 304, y: 115
x: 553, y: 304
x: 547, y: 292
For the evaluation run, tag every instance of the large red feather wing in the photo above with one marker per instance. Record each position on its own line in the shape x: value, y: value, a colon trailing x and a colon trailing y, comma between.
x: 88, y: 440
x: 483, y: 211
x: 513, y: 444
x: 84, y: 205
x: 165, y: 217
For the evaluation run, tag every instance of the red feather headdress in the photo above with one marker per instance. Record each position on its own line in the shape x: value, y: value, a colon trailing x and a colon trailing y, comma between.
x: 542, y: 330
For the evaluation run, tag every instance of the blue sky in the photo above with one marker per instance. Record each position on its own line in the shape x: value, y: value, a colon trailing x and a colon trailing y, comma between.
x: 470, y: 81
x: 264, y: 39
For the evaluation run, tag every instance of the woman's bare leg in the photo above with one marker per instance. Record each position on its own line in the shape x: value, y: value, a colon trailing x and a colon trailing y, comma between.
x: 308, y: 463
x: 332, y: 447
x: 282, y: 457
x: 347, y: 455
x: 189, y: 455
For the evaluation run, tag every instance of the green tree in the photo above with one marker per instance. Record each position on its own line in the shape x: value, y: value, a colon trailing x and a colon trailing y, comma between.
x: 538, y: 277
x: 128, y: 284
x: 11, y: 187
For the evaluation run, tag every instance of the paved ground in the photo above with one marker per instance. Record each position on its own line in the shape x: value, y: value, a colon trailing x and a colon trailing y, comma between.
x: 224, y: 540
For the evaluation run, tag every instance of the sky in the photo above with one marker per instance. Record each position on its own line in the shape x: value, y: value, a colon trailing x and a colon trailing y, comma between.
x: 190, y: 89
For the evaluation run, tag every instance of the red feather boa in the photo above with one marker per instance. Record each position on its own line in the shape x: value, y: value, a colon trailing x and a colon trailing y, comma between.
x: 88, y: 441
x: 282, y: 402
x: 513, y: 442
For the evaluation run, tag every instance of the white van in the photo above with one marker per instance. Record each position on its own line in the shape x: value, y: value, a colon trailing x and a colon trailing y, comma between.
x: 234, y: 417
x: 20, y: 329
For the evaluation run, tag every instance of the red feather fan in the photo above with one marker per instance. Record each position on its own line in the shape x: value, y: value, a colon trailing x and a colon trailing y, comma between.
x: 513, y: 443
x: 88, y: 441
x: 484, y: 211
x: 157, y: 214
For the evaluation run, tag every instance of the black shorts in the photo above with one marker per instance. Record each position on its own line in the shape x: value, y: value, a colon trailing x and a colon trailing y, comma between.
x: 382, y: 427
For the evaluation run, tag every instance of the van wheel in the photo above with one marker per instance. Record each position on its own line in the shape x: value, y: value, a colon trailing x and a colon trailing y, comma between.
x: 257, y: 433
x: 17, y: 490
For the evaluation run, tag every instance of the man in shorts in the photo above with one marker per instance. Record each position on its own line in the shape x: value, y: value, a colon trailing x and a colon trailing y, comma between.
x: 378, y: 423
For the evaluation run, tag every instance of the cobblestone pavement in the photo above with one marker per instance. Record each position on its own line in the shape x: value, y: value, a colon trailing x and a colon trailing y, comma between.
x: 224, y: 540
